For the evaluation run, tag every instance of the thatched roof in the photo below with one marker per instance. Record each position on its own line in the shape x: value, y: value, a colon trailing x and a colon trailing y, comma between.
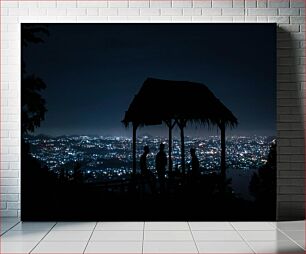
x: 160, y: 100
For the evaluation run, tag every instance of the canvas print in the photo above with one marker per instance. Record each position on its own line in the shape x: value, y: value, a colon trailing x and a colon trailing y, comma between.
x: 148, y: 122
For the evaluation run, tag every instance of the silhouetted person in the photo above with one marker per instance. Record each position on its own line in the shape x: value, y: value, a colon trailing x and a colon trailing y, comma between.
x: 195, y: 165
x: 143, y: 161
x: 145, y: 172
x: 161, y: 163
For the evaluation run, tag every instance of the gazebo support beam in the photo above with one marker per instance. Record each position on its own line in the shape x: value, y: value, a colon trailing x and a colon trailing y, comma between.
x: 134, y: 147
x: 182, y: 124
x: 223, y: 165
x: 170, y: 126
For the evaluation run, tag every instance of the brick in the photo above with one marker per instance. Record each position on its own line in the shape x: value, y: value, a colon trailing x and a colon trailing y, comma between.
x: 9, y: 197
x: 57, y: 12
x: 9, y: 213
x: 192, y: 11
x: 222, y: 19
x: 278, y: 3
x: 171, y: 11
x: 160, y: 4
x: 118, y: 4
x: 262, y: 3
x: 233, y: 12
x: 222, y: 3
x: 8, y: 174
x: 291, y: 174
x: 92, y: 4
x: 211, y: 11
x: 18, y: 12
x: 297, y: 3
x: 289, y: 12
x: 291, y: 189
x: 76, y: 12
x: 128, y: 12
x: 9, y: 4
x: 181, y: 19
x: 288, y: 28
x: 91, y: 19
x: 47, y: 4
x: 181, y: 3
x: 202, y: 3
x: 291, y: 198
x: 262, y: 19
x: 13, y: 205
x: 250, y: 3
x: 10, y: 189
x: 3, y: 205
x: 297, y: 20
x: 38, y: 11
x: 250, y: 19
x: 202, y: 18
x: 238, y: 3
x: 108, y: 12
x: 66, y: 4
x: 8, y: 181
x: 150, y: 11
x: 262, y: 12
x: 139, y: 4
x: 138, y: 19
x: 92, y: 11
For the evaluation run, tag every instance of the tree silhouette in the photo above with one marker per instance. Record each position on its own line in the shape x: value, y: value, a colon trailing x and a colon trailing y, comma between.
x: 33, y: 106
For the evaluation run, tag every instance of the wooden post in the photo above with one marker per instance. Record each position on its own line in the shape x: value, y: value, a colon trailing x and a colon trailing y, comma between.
x: 182, y: 124
x: 134, y: 148
x: 170, y: 126
x: 223, y: 164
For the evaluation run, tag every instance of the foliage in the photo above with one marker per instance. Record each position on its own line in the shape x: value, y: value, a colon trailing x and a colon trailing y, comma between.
x: 33, y: 106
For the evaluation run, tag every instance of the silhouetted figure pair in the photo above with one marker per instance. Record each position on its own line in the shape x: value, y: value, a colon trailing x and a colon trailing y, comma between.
x: 161, y: 163
x: 145, y: 172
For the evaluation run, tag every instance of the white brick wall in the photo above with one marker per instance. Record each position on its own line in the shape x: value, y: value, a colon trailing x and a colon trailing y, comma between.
x: 289, y: 14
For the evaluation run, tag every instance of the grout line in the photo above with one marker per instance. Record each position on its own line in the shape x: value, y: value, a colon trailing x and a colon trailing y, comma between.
x: 10, y: 228
x: 290, y: 238
x: 90, y: 237
x: 193, y: 237
x: 244, y: 240
x: 42, y: 238
x: 143, y: 232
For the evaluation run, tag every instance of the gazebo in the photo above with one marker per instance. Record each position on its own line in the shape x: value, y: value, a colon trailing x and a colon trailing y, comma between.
x: 176, y: 103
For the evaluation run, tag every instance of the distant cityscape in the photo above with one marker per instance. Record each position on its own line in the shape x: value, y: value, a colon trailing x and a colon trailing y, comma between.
x: 106, y: 158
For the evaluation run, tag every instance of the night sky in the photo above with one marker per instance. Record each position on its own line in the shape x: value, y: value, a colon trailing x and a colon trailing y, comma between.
x: 93, y: 71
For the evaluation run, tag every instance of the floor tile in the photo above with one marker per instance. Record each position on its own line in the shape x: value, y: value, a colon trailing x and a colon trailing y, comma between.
x: 168, y: 236
x: 69, y: 236
x: 253, y: 225
x: 22, y: 236
x: 223, y: 247
x: 273, y: 235
x: 166, y: 225
x: 60, y: 247
x: 169, y: 247
x: 297, y: 236
x: 216, y: 236
x: 5, y: 226
x: 17, y: 247
x: 111, y: 247
x: 63, y: 226
x: 207, y: 225
x: 98, y: 236
x: 120, y: 225
x: 291, y: 225
x: 33, y: 226
x: 276, y: 247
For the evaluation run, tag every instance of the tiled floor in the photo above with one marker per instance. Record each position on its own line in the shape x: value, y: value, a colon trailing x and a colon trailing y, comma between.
x: 152, y: 237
